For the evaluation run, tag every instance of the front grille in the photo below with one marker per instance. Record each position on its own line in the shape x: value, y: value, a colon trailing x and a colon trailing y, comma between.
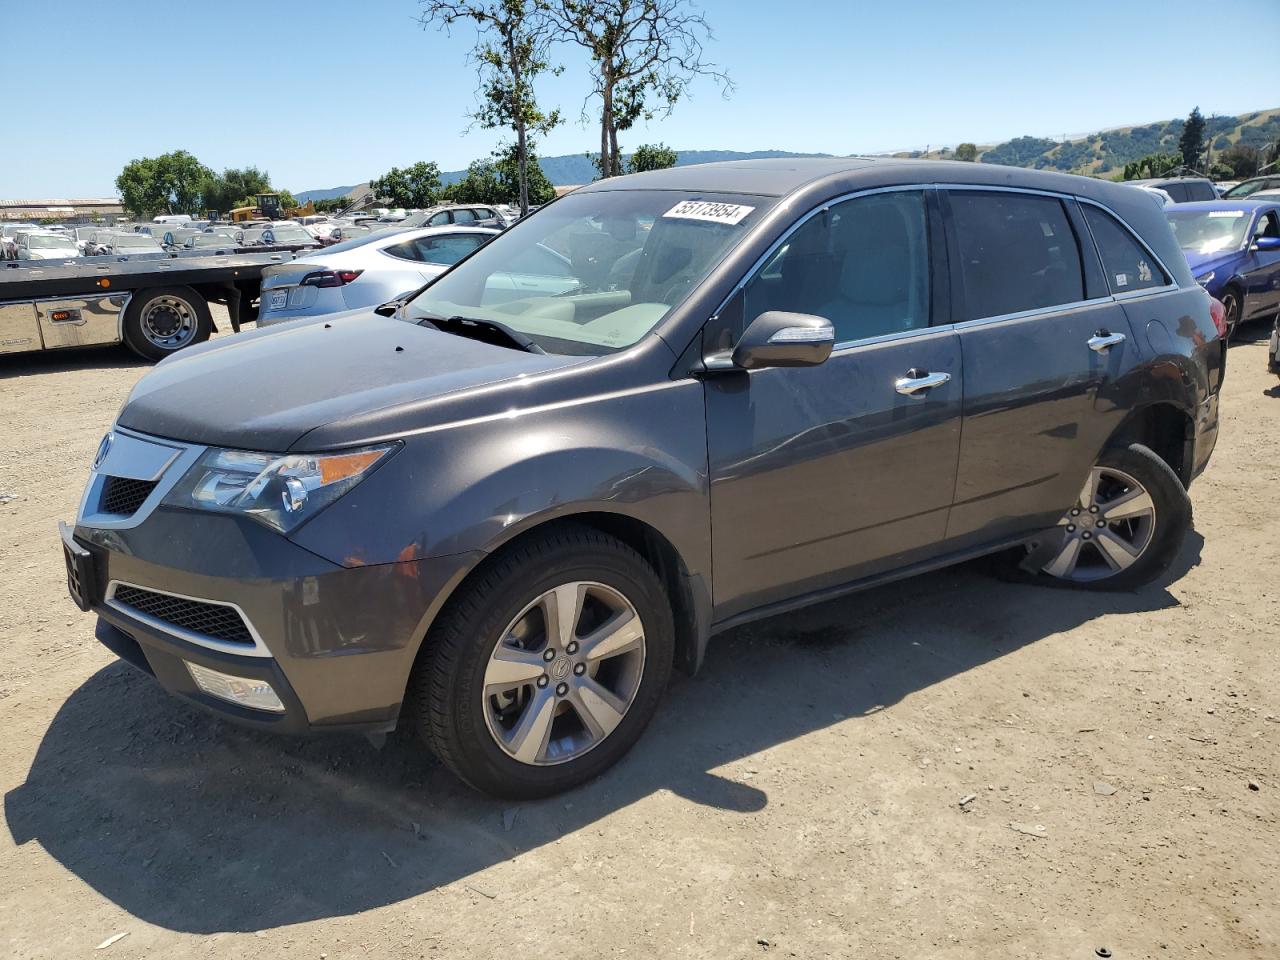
x: 123, y: 496
x: 208, y: 619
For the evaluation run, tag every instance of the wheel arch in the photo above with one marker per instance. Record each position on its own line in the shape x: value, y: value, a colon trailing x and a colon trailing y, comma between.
x: 1167, y: 429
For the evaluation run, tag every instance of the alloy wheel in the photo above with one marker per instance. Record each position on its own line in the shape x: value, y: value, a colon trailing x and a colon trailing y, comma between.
x: 1108, y: 529
x: 564, y: 673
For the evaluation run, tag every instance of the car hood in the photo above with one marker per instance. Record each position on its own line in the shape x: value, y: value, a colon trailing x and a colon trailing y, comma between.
x: 359, y: 375
x: 1202, y: 263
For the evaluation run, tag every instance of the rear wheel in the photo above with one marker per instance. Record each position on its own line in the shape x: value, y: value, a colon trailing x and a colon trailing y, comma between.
x: 1231, y: 304
x: 547, y: 667
x: 163, y: 320
x: 1124, y: 529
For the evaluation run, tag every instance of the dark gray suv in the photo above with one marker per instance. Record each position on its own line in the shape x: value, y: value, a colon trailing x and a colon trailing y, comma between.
x: 500, y: 511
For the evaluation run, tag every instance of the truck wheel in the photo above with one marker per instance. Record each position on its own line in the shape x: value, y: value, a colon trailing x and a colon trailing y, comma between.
x: 1124, y: 530
x: 163, y: 320
x: 547, y: 667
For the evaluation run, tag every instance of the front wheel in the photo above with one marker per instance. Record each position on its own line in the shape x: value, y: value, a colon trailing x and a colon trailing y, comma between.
x: 1231, y: 306
x: 547, y: 667
x: 1125, y: 528
x: 162, y: 321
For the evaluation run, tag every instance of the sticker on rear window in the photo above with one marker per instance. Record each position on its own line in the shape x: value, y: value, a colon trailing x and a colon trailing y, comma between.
x: 730, y: 213
x: 1122, y: 279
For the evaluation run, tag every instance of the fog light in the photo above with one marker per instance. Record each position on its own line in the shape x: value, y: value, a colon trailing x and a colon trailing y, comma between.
x: 254, y: 694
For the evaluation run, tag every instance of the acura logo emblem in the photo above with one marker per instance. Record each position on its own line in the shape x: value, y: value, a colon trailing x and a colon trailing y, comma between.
x: 103, y: 449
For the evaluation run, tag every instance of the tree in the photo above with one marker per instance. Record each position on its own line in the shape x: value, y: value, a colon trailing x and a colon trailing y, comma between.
x: 1243, y: 160
x: 509, y: 62
x: 330, y: 205
x: 645, y: 54
x: 656, y: 156
x: 497, y: 180
x: 1155, y: 165
x: 1191, y: 143
x: 967, y: 152
x: 223, y: 192
x: 415, y: 186
x: 169, y: 183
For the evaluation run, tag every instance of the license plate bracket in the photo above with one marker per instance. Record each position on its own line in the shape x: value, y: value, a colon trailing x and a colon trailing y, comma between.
x: 279, y: 299
x: 80, y: 574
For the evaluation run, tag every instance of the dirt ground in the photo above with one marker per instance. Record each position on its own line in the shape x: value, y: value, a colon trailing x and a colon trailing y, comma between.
x: 947, y: 767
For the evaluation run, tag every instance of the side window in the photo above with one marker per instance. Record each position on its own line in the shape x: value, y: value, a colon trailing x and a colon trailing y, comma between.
x: 464, y: 216
x: 1200, y: 190
x: 1268, y: 225
x: 1127, y: 266
x: 407, y: 250
x: 447, y: 250
x: 1178, y: 191
x: 1017, y: 253
x: 862, y: 264
x: 439, y: 220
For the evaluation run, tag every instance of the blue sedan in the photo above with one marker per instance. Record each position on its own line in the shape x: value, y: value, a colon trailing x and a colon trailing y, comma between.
x: 1233, y: 249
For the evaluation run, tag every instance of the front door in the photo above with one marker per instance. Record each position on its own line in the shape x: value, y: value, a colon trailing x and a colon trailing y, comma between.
x: 1261, y: 270
x: 821, y: 475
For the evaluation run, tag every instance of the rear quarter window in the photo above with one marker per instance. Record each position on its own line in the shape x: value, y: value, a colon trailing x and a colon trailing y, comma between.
x: 1127, y: 265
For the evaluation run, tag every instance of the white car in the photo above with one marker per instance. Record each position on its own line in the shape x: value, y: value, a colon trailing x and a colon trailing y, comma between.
x: 46, y: 245
x: 8, y: 238
x: 363, y: 272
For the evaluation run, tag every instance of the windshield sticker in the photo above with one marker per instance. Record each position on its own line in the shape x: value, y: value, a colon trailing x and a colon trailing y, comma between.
x: 730, y: 213
x: 1225, y: 213
x: 1122, y: 279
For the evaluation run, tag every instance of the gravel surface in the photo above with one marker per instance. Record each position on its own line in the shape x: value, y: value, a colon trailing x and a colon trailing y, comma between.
x: 947, y: 767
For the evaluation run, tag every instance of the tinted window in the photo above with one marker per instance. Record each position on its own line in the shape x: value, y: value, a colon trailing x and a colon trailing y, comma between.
x: 447, y: 249
x: 1268, y: 225
x: 862, y: 264
x: 1126, y: 264
x: 464, y: 216
x: 1177, y: 191
x: 1017, y: 252
x: 403, y: 251
x: 1201, y: 190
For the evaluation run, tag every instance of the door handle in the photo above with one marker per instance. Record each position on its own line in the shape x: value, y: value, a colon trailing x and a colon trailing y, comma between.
x: 1102, y: 341
x: 916, y: 382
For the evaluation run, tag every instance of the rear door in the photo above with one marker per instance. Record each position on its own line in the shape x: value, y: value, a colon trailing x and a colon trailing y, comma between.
x: 822, y: 475
x: 1045, y: 346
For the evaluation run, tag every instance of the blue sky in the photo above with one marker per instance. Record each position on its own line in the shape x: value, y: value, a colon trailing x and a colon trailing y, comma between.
x: 341, y: 91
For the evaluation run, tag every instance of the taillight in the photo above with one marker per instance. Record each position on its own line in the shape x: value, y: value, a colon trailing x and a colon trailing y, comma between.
x: 330, y: 278
x: 1219, y: 314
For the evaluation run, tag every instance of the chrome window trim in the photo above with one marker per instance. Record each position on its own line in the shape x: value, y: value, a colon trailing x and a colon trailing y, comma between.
x: 979, y: 321
x: 259, y: 649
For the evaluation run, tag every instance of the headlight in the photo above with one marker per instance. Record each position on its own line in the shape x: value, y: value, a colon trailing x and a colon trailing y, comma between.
x: 280, y: 491
x: 1205, y: 279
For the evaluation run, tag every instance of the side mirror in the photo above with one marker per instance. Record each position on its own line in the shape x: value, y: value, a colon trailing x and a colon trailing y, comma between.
x: 779, y: 339
x: 1265, y: 243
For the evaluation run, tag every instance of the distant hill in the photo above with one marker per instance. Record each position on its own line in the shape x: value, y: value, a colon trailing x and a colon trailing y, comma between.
x: 1105, y: 153
x: 1101, y: 154
x: 574, y: 168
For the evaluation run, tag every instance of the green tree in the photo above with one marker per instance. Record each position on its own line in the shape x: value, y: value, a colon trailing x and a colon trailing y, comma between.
x: 1155, y: 165
x: 652, y: 156
x: 415, y: 186
x: 222, y: 192
x: 967, y: 152
x: 330, y: 205
x: 497, y: 180
x: 645, y: 54
x: 511, y: 50
x: 1191, y: 143
x: 1243, y: 160
x: 479, y: 184
x: 169, y: 183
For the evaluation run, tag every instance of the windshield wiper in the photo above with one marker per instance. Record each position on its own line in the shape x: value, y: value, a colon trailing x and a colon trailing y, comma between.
x: 486, y: 331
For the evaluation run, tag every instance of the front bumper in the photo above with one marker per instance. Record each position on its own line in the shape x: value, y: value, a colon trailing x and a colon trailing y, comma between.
x: 336, y: 643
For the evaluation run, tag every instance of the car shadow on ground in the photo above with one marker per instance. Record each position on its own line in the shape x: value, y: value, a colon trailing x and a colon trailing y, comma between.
x: 69, y: 359
x: 197, y: 826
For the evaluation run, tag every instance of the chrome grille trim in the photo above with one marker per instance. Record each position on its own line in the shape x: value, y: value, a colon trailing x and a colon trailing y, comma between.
x: 254, y: 649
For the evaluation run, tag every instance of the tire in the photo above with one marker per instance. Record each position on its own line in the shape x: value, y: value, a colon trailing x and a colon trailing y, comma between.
x: 477, y: 732
x: 153, y: 312
x: 1145, y: 544
x: 1231, y: 302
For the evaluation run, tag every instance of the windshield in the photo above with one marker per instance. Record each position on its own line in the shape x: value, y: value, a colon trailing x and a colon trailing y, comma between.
x: 291, y: 235
x: 594, y: 272
x: 1208, y: 231
x: 135, y: 241
x: 1250, y: 187
x: 37, y: 242
x: 211, y: 240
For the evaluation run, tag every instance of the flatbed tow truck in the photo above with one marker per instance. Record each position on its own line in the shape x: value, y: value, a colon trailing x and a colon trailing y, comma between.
x: 155, y: 304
